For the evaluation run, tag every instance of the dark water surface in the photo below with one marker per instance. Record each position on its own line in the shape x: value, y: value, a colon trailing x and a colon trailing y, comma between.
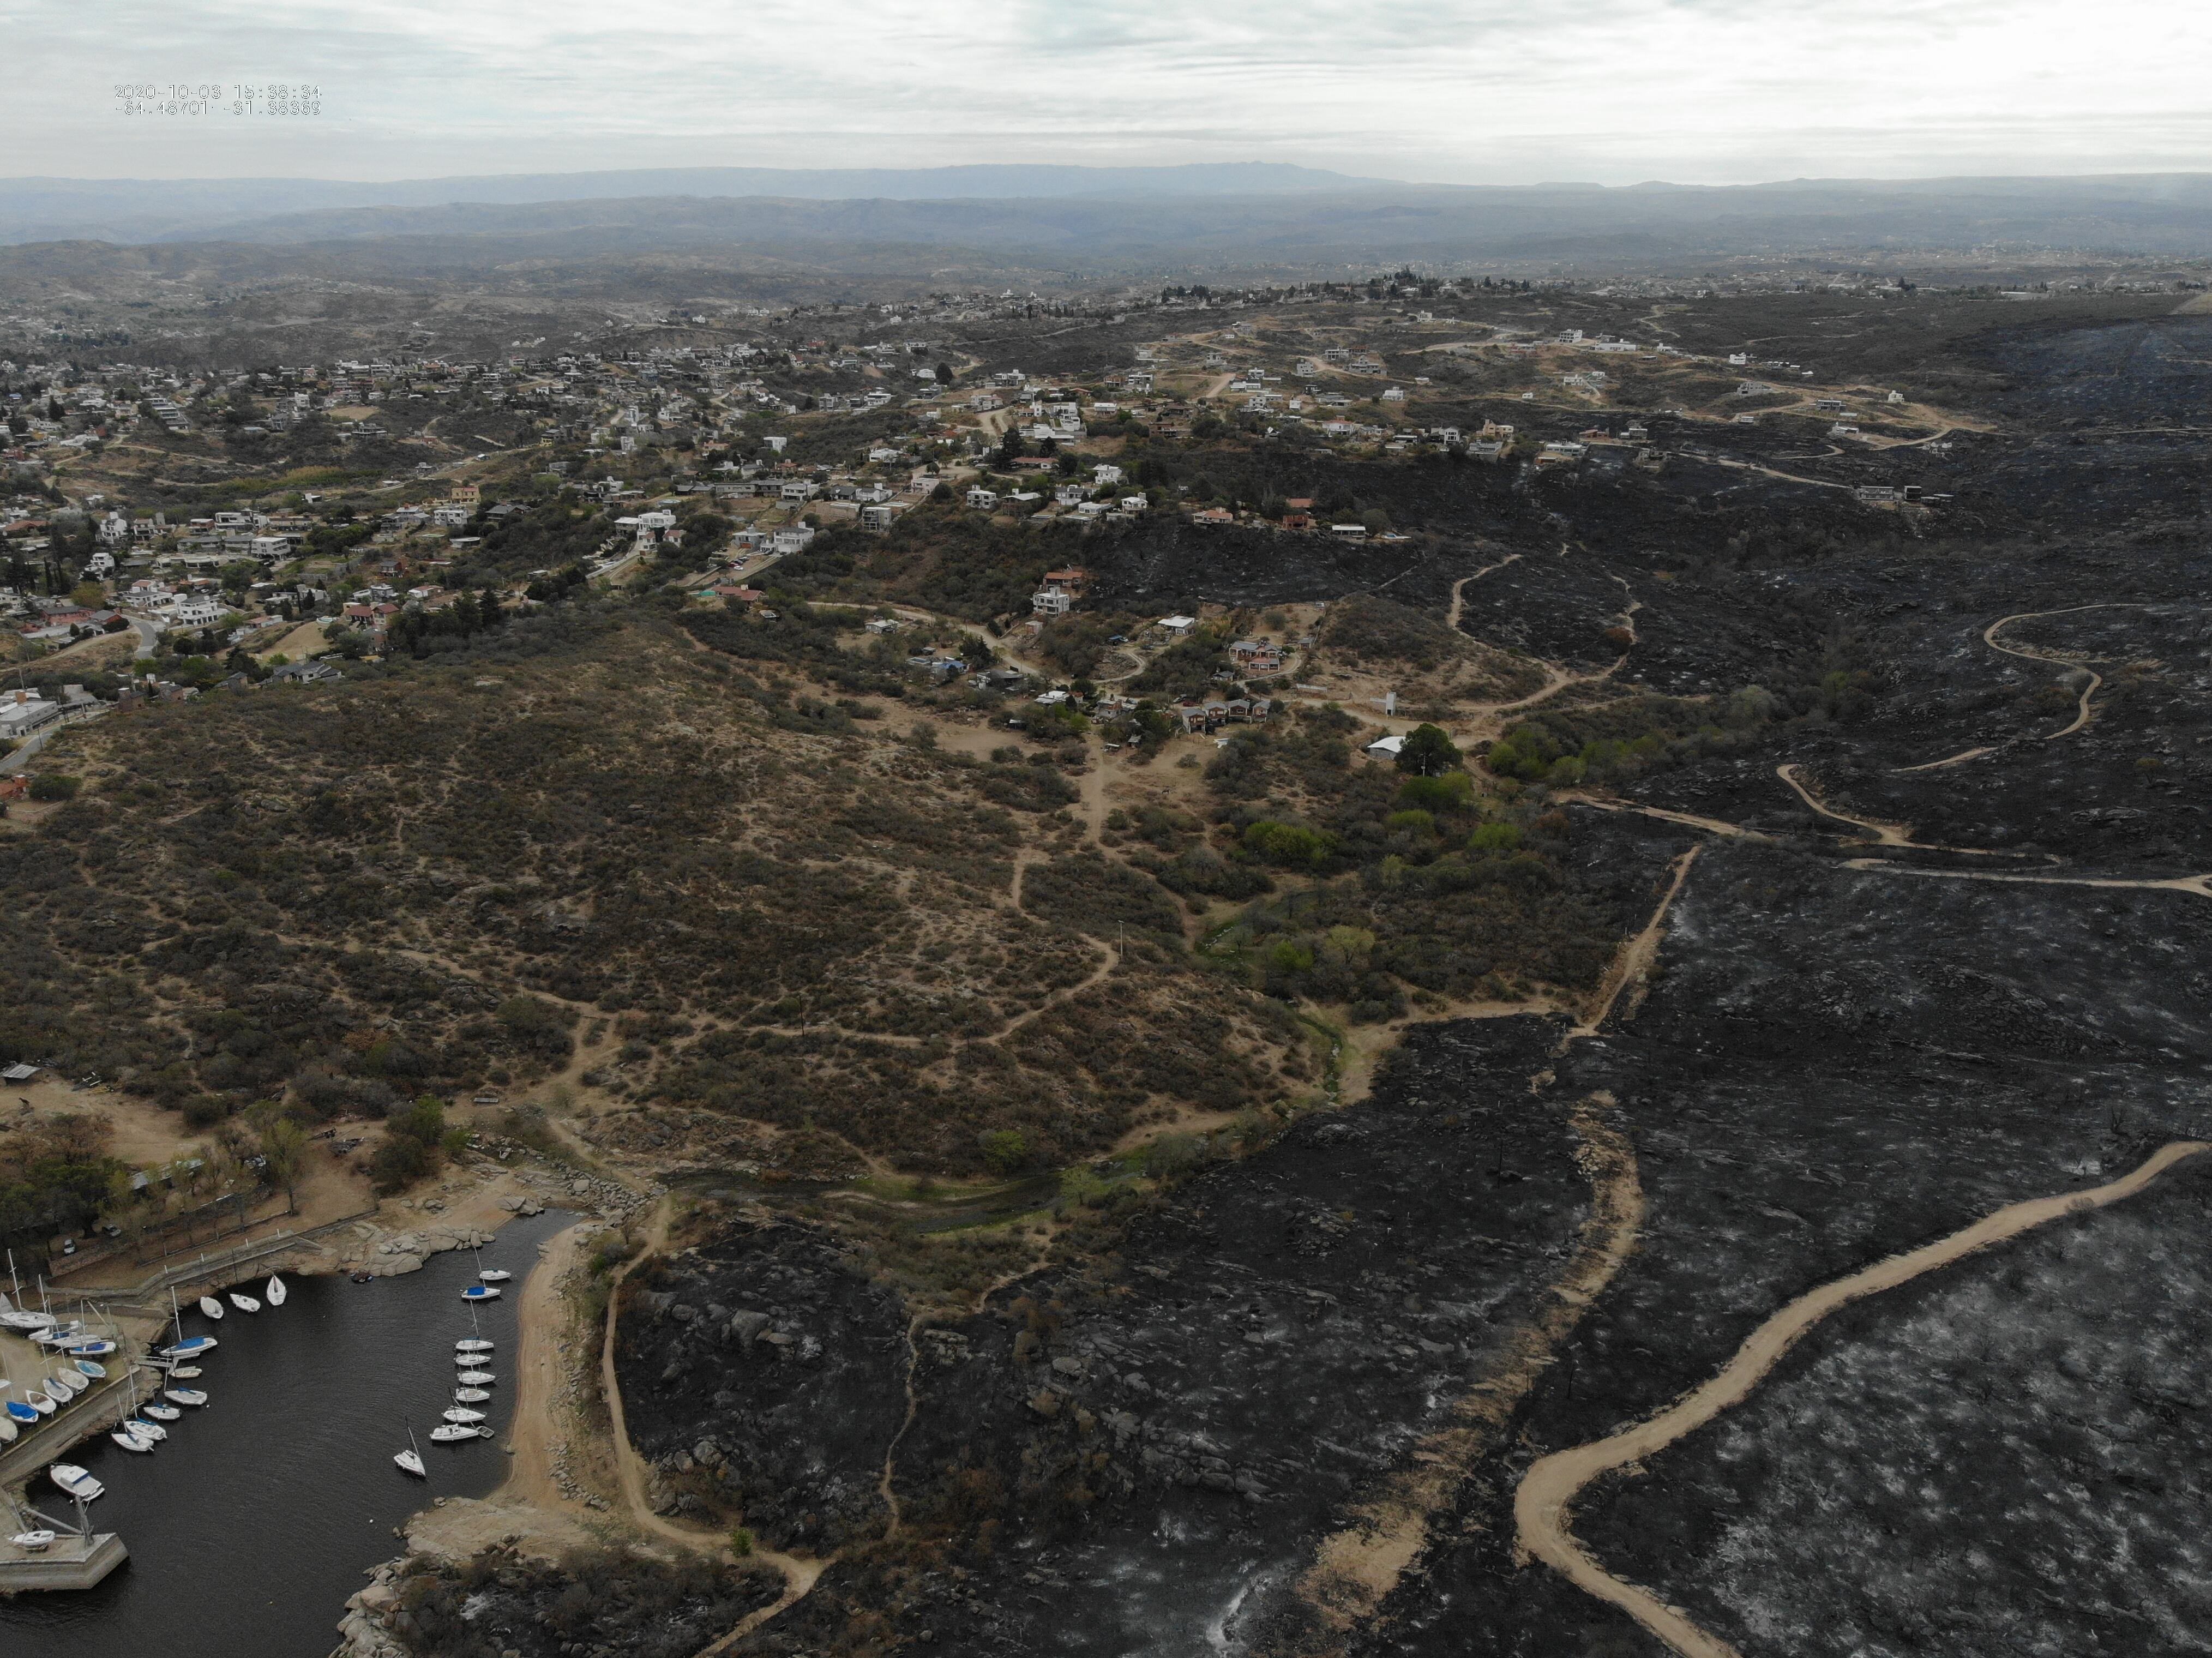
x: 261, y: 1513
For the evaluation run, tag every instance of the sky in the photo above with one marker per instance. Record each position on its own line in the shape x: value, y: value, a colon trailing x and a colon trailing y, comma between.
x: 1452, y: 91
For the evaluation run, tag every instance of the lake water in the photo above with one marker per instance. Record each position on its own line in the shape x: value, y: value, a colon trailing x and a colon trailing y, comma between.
x: 250, y: 1527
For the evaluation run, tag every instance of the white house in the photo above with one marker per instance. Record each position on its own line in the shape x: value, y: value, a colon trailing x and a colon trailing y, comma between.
x: 195, y: 610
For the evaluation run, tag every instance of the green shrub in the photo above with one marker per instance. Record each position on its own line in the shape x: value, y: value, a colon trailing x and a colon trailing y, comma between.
x: 1289, y: 844
x: 55, y: 785
x: 1005, y: 1151
x: 1451, y: 790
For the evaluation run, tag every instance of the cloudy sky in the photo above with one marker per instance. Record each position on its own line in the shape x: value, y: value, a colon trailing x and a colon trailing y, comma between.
x: 1475, y: 91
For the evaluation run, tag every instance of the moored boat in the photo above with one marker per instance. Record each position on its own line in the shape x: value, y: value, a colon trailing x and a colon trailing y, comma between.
x: 18, y: 1410
x: 92, y: 1368
x: 481, y: 1292
x: 9, y: 1429
x: 274, y: 1291
x: 159, y: 1412
x: 191, y: 1347
x: 184, y: 1396
x: 244, y: 1304
x: 100, y: 1348
x: 454, y: 1432
x: 39, y: 1402
x: 184, y: 1372
x: 130, y: 1442
x: 471, y: 1395
x: 75, y: 1481
x: 67, y: 1383
x: 462, y: 1413
x: 495, y: 1275
x: 153, y: 1430
x: 477, y: 1379
x: 17, y: 1319
x: 472, y: 1345
x: 210, y: 1306
x: 33, y: 1542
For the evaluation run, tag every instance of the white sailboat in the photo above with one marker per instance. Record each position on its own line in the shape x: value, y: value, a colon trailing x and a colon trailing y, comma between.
x: 39, y: 1402
x: 471, y: 1395
x: 65, y: 1385
x: 453, y: 1432
x: 274, y: 1291
x: 130, y: 1442
x: 34, y: 1542
x: 462, y: 1413
x: 184, y: 1396
x: 474, y: 1345
x: 411, y: 1460
x: 244, y: 1304
x: 7, y: 1430
x: 159, y: 1412
x: 481, y: 1292
x: 476, y: 1379
x: 210, y: 1306
x: 153, y: 1430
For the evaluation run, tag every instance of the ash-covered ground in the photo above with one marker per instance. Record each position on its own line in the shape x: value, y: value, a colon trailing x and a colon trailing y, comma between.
x: 1962, y: 960
x: 2013, y: 1454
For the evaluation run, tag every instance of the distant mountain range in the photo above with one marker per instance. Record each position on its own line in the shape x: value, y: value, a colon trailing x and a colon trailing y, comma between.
x: 1095, y: 220
x: 149, y: 210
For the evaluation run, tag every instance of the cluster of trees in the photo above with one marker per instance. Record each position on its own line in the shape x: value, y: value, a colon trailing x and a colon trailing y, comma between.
x: 1566, y: 749
x: 418, y: 633
x: 55, y: 1174
x: 416, y: 1142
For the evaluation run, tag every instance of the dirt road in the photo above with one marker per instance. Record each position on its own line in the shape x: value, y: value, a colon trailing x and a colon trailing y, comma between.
x: 541, y: 1320
x: 1540, y: 1506
x: 2082, y: 712
x: 1888, y: 835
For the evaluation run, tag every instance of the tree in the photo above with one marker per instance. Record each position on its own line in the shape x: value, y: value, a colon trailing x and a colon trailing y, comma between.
x: 944, y: 373
x: 283, y: 1144
x: 1428, y: 752
x: 1005, y: 1150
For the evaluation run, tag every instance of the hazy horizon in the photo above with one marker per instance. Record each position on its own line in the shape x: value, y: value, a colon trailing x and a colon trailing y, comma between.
x: 1619, y: 92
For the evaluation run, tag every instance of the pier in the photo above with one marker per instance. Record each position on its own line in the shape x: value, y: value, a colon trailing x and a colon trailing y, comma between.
x: 79, y: 1556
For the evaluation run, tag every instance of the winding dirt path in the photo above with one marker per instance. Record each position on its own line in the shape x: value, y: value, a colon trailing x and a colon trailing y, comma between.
x: 1458, y: 601
x: 2081, y: 712
x: 1098, y: 975
x: 1355, y: 1568
x: 1541, y: 1511
x: 1888, y: 834
x: 800, y: 1573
